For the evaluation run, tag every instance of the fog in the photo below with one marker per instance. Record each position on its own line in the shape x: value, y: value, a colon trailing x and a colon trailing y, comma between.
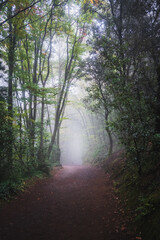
x: 72, y: 143
x: 83, y: 137
x: 72, y: 135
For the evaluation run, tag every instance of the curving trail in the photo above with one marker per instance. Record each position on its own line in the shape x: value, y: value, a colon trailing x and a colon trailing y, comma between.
x: 77, y: 203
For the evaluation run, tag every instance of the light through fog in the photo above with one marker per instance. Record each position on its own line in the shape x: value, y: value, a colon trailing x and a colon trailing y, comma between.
x: 82, y: 136
x: 72, y: 136
x: 72, y: 148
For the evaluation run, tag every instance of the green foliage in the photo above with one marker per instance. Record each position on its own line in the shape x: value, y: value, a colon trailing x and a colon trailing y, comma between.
x: 141, y: 196
x: 55, y: 156
x: 10, y: 188
x: 124, y: 79
x: 5, y: 130
x: 96, y: 154
x: 38, y: 76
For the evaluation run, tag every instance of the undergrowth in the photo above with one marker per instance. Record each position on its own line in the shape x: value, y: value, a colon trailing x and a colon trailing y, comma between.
x: 14, y: 185
x: 19, y: 180
x: 139, y: 194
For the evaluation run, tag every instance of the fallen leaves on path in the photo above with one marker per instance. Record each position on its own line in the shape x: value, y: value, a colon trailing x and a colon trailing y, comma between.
x: 77, y: 203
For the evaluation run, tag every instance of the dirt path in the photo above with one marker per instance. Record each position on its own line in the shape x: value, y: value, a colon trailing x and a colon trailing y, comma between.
x: 78, y: 203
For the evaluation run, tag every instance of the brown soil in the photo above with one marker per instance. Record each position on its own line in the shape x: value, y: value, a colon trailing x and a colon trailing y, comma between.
x: 77, y: 203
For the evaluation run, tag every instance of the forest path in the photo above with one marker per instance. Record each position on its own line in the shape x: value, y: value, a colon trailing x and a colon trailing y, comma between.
x: 77, y: 203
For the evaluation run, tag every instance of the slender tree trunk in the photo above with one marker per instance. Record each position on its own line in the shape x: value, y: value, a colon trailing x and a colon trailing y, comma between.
x: 53, y: 136
x: 157, y: 127
x: 11, y: 51
x: 50, y: 128
x: 19, y: 104
x: 41, y: 146
x: 58, y: 154
x: 109, y: 135
x: 33, y: 106
x: 110, y: 141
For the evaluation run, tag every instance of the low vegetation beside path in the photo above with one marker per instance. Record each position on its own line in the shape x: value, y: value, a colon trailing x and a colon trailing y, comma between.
x: 140, y: 194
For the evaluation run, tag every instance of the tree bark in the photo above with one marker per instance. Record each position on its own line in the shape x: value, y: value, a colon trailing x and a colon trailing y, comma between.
x: 157, y: 124
x: 11, y: 52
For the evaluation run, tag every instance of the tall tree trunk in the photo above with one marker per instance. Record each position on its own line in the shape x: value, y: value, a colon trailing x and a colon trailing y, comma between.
x: 110, y: 141
x: 11, y: 51
x: 157, y: 127
x: 109, y: 135
x: 41, y: 145
x: 58, y: 151
x: 53, y: 135
x: 33, y: 106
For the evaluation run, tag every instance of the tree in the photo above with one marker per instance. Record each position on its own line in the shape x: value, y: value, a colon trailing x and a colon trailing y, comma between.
x: 73, y: 51
x: 27, y: 49
x: 123, y: 80
x: 28, y: 42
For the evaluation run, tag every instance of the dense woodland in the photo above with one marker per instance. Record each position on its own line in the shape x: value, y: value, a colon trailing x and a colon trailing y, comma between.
x: 114, y: 48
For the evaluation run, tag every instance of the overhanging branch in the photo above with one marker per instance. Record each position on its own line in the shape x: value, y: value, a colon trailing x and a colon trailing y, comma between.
x: 24, y: 9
